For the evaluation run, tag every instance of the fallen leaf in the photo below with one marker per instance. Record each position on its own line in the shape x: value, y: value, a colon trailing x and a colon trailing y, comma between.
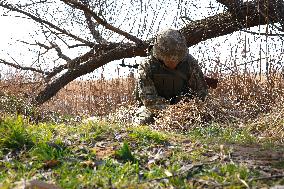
x: 103, y: 152
x: 168, y: 173
x: 51, y: 163
x: 88, y: 163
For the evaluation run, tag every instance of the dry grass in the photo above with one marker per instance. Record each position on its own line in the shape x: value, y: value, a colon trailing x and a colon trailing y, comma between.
x: 239, y: 99
x: 99, y: 97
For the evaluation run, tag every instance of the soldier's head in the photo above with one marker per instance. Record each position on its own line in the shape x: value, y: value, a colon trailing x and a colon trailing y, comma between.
x: 170, y: 47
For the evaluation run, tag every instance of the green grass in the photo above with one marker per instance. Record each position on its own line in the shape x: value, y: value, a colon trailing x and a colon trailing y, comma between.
x: 217, y: 133
x: 68, y: 155
x: 229, y: 174
x: 145, y: 135
x: 14, y: 134
x: 124, y: 153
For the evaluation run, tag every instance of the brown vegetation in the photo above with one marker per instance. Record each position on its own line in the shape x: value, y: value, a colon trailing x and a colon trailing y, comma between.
x: 240, y: 96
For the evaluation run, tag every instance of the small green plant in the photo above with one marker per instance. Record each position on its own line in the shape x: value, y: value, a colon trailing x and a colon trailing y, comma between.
x: 146, y: 135
x: 14, y: 134
x: 45, y: 151
x: 124, y: 153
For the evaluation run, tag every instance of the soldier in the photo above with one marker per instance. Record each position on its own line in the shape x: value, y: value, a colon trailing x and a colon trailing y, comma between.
x: 167, y: 74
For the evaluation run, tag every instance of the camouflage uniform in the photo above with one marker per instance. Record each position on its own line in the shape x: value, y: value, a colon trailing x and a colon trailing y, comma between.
x: 159, y: 86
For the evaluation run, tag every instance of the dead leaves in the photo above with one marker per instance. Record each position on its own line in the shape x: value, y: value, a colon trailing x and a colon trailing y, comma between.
x: 48, y: 164
x: 103, y: 152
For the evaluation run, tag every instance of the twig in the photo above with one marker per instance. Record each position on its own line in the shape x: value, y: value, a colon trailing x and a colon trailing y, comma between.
x: 39, y: 20
x: 92, y: 26
x: 104, y: 23
x: 21, y: 67
x: 77, y: 45
x: 59, y: 52
x: 34, y: 3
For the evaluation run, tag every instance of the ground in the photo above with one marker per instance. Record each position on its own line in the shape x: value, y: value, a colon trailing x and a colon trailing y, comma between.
x: 112, y: 155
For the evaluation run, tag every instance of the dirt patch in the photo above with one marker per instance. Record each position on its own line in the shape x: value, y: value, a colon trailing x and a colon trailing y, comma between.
x: 270, y: 161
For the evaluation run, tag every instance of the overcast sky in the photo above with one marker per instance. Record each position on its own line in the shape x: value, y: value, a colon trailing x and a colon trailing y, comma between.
x: 227, y: 49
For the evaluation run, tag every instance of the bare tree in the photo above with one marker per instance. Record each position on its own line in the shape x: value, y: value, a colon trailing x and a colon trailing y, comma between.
x: 108, y: 42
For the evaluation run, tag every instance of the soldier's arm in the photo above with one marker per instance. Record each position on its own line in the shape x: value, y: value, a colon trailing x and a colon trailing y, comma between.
x: 196, y: 79
x: 146, y: 88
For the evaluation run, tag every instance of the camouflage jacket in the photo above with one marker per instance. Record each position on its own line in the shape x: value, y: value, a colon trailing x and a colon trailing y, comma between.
x: 157, y: 85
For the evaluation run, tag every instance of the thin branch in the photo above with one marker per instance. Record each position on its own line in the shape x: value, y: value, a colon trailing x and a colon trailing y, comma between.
x: 77, y: 45
x: 104, y: 23
x: 39, y: 20
x: 59, y: 52
x: 55, y: 71
x: 53, y: 46
x: 21, y: 67
x: 96, y: 34
x: 34, y: 3
x: 71, y: 64
x: 92, y: 26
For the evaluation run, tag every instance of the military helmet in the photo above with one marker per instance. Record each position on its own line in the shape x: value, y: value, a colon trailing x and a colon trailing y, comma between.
x: 170, y: 45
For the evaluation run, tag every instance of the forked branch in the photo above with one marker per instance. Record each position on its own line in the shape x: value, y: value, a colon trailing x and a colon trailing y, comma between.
x: 87, y: 10
x: 45, y: 22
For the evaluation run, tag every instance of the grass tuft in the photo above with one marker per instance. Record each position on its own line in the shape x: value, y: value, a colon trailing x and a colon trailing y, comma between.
x: 14, y: 134
x: 146, y: 135
x: 125, y: 154
x: 216, y: 132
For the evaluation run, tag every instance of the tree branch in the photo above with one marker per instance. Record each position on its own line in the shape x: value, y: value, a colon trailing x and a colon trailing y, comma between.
x: 59, y: 52
x: 230, y: 4
x: 226, y: 23
x: 92, y: 25
x: 71, y: 64
x: 123, y: 51
x: 104, y: 23
x: 21, y: 67
x: 39, y: 20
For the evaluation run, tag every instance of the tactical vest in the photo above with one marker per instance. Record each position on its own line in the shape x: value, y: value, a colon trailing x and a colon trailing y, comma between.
x: 170, y: 83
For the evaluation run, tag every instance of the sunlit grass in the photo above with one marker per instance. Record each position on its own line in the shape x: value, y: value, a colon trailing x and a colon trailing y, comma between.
x: 146, y: 135
x: 14, y: 134
x: 222, y: 133
x: 140, y: 157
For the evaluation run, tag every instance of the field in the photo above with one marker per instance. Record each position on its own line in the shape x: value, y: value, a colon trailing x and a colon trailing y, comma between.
x: 232, y: 140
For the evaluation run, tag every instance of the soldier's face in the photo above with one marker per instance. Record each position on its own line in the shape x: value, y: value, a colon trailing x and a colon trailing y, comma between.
x: 171, y: 64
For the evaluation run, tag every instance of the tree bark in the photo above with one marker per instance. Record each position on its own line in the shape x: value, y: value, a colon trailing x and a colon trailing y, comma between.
x: 248, y: 15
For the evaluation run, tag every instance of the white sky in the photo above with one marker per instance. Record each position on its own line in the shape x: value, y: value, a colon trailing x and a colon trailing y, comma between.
x: 228, y: 48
